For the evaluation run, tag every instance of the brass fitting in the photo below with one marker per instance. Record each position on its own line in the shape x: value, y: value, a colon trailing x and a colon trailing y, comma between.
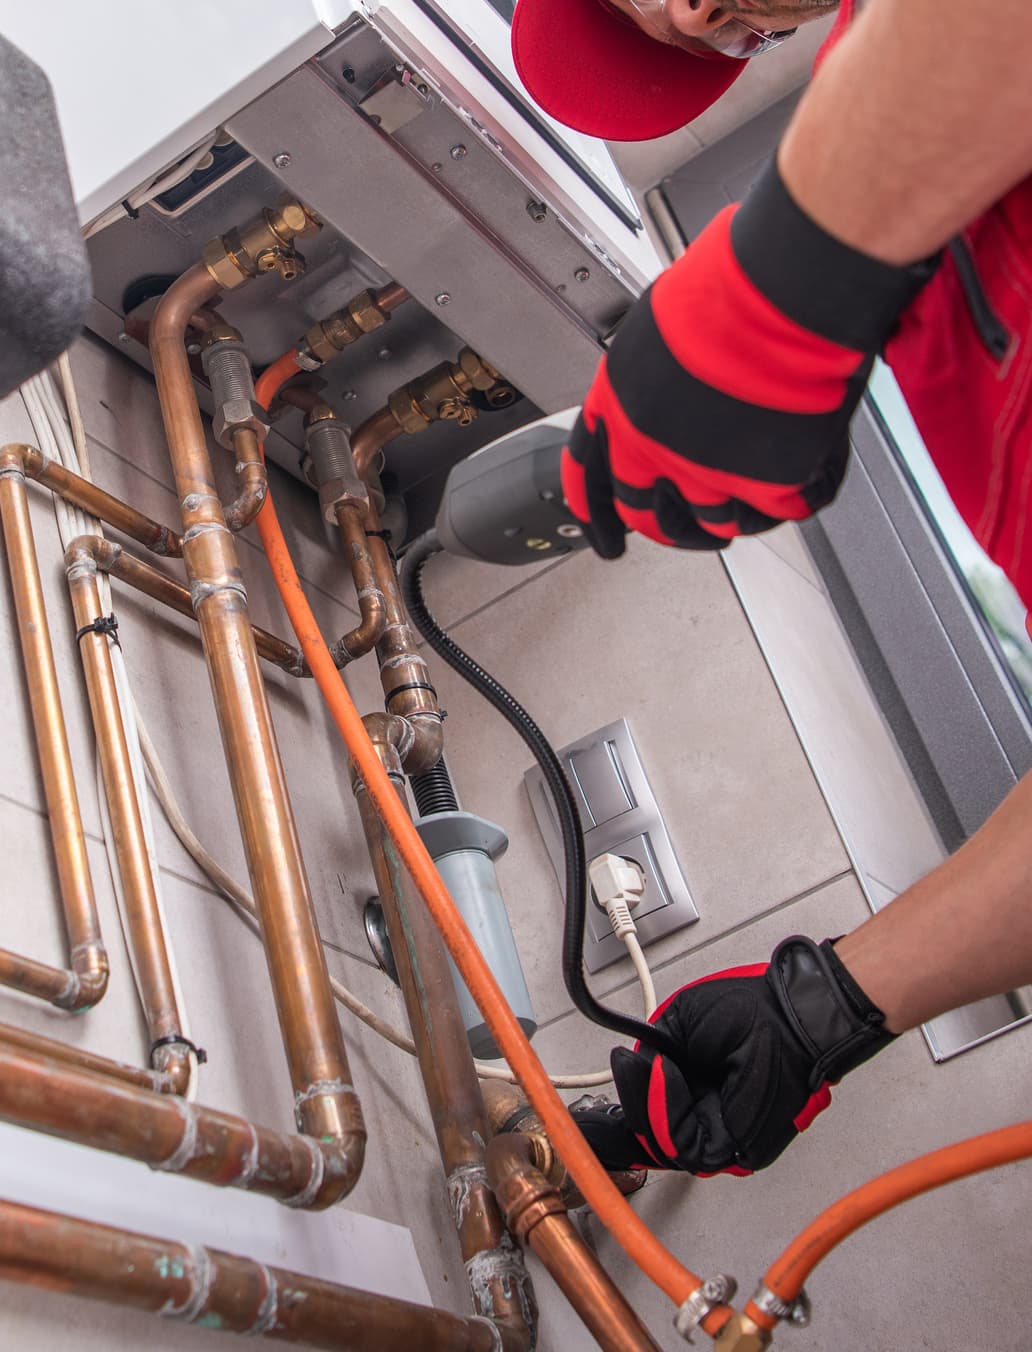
x: 328, y: 443
x: 228, y: 368
x: 740, y: 1334
x: 508, y: 1110
x: 264, y: 244
x: 442, y: 392
x: 333, y: 334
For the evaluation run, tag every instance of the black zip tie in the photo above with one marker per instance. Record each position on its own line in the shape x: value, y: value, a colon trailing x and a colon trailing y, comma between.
x: 104, y: 624
x: 385, y: 536
x: 130, y: 210
x: 410, y: 685
x: 174, y: 1039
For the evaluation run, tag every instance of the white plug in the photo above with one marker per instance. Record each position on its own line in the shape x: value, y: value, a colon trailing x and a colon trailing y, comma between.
x: 618, y: 885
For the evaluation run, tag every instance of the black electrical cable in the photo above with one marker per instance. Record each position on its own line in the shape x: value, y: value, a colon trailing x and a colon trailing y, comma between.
x: 416, y: 556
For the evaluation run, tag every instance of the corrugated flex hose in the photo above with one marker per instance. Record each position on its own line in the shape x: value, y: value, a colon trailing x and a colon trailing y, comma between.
x: 575, y: 866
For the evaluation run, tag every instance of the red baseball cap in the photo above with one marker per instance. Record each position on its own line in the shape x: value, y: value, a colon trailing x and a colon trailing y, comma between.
x: 592, y: 68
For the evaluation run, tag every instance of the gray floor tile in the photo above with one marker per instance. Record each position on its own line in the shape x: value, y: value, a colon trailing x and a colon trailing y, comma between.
x: 850, y: 746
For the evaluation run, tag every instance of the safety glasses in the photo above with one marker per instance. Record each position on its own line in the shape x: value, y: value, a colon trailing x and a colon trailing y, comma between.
x: 736, y: 38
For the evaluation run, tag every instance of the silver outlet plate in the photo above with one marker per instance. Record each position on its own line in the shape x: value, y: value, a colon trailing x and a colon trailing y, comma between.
x: 620, y: 815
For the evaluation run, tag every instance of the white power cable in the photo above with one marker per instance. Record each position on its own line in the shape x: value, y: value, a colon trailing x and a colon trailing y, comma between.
x: 618, y: 885
x: 62, y: 438
x: 154, y: 187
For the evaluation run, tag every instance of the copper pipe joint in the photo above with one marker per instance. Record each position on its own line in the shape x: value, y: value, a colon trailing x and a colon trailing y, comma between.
x: 213, y: 1289
x: 253, y: 478
x: 82, y: 493
x: 84, y: 983
x: 19, y: 1039
x: 371, y: 604
x: 534, y: 1212
x: 171, y: 1135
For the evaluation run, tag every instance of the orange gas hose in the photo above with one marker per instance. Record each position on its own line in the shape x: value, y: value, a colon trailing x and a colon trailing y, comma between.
x: 789, y: 1272
x: 643, y: 1247
x: 598, y: 1189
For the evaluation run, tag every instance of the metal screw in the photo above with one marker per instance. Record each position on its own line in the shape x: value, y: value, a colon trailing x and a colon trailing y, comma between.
x: 437, y: 166
x: 536, y: 542
x: 348, y: 395
x: 582, y: 275
x: 537, y: 211
x: 193, y: 349
x: 282, y: 160
x: 442, y: 298
x: 384, y: 354
x: 458, y: 152
x: 569, y: 531
x: 123, y: 337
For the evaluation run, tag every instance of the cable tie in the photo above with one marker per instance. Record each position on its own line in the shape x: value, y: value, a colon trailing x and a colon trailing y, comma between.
x: 174, y: 1039
x: 103, y: 624
x: 409, y: 685
x: 130, y: 210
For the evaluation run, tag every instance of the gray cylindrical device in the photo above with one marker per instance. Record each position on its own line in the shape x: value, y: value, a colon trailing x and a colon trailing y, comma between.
x: 464, y: 848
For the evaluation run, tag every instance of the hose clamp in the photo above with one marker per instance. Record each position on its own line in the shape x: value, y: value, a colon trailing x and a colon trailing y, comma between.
x: 796, y: 1312
x: 714, y: 1291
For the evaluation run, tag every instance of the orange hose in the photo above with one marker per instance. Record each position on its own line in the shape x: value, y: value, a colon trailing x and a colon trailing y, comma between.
x: 654, y: 1259
x: 788, y: 1274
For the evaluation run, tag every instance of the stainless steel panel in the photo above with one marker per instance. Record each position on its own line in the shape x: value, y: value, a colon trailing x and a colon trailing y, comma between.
x: 624, y: 819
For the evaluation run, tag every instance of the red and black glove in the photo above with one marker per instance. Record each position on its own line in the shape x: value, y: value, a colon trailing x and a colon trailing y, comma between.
x: 723, y: 405
x: 759, y: 1048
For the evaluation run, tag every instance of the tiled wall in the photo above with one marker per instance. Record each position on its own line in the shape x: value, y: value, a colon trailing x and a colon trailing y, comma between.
x: 661, y: 639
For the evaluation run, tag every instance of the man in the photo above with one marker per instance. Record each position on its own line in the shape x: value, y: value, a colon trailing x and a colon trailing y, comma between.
x: 896, y: 218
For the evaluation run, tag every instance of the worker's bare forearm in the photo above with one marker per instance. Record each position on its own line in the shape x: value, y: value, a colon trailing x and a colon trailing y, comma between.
x: 920, y: 119
x: 962, y: 933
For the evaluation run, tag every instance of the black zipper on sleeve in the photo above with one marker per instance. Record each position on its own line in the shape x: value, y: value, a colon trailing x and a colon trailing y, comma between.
x: 991, y: 329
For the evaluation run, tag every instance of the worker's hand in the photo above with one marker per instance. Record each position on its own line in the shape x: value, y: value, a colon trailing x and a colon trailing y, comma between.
x: 759, y: 1048
x: 723, y: 405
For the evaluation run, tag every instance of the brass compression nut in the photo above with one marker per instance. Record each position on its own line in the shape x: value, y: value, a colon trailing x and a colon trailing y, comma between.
x: 331, y: 335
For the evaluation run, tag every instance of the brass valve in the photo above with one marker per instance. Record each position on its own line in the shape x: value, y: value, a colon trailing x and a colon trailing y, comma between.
x: 741, y: 1334
x: 264, y: 244
x: 443, y: 392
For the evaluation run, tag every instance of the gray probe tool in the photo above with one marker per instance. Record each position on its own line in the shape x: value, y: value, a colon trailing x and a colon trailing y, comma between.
x: 504, y: 504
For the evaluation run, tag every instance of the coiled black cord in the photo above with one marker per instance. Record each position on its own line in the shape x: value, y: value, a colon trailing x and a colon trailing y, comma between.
x: 416, y: 556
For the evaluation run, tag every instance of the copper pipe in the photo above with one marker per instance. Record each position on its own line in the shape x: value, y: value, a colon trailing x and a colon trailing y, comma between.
x: 326, y: 1105
x: 371, y: 603
x: 303, y: 397
x: 117, y: 562
x: 535, y: 1213
x: 371, y: 437
x: 220, y: 1290
x: 86, y: 495
x: 389, y: 297
x: 500, y: 1285
x: 253, y: 478
x: 168, y: 1133
x: 19, y: 1039
x: 85, y: 983
x: 142, y: 909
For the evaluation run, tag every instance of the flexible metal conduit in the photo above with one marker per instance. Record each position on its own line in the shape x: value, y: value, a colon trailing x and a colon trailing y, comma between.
x: 84, y: 983
x: 217, y: 1290
x: 326, y: 1105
